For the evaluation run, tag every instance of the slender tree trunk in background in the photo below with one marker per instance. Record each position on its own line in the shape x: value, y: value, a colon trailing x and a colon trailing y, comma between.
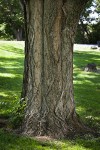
x: 18, y: 34
x: 48, y: 75
x: 85, y: 31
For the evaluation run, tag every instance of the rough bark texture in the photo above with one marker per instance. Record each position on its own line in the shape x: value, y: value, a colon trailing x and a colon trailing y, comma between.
x: 48, y: 75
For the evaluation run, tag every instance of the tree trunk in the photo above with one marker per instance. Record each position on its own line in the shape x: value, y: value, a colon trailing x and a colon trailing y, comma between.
x: 48, y: 75
x: 18, y: 34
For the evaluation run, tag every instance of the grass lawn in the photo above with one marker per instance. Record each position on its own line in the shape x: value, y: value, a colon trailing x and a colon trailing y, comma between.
x: 9, y: 141
x: 87, y: 87
x: 86, y: 93
x: 11, y: 70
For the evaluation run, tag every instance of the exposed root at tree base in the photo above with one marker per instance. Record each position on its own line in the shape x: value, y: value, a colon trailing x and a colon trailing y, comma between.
x: 79, y: 129
x: 58, y: 129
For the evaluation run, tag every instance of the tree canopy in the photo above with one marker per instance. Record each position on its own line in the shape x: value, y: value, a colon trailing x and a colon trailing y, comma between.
x: 89, y: 24
x: 12, y: 21
x: 11, y: 17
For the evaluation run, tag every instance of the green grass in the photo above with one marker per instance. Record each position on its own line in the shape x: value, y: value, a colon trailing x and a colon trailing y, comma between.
x: 86, y: 93
x: 11, y: 70
x: 87, y: 87
x: 10, y: 141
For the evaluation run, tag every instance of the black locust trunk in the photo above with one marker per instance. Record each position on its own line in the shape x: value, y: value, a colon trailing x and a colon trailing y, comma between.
x: 48, y: 75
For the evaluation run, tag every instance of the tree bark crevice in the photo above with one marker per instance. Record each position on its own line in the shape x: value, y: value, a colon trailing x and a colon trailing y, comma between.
x: 48, y: 74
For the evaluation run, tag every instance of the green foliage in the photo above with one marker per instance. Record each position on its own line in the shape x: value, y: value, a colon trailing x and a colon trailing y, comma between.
x: 11, y: 15
x: 86, y: 12
x: 88, y: 33
x: 80, y: 35
x: 5, y: 32
x: 17, y: 116
x: 98, y: 6
x: 89, y: 25
x: 95, y: 35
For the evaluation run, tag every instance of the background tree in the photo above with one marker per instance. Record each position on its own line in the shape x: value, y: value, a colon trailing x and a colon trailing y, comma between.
x: 48, y: 75
x: 89, y: 24
x: 11, y: 19
x: 97, y: 2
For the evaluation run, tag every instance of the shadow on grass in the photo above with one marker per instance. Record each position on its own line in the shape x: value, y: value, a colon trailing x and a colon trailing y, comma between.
x: 81, y: 59
x: 17, y: 142
x: 13, y: 62
x: 10, y: 92
x: 11, y: 48
x: 87, y: 88
x: 11, y: 72
x: 11, y: 83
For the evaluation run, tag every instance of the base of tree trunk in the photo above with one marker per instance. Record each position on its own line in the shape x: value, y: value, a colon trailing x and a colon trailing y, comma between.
x: 70, y: 129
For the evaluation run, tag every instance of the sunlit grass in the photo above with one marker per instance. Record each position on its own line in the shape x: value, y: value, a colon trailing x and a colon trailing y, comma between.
x: 11, y: 72
x: 87, y: 87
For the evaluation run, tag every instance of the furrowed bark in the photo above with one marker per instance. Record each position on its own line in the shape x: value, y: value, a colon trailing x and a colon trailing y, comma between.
x: 48, y: 75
